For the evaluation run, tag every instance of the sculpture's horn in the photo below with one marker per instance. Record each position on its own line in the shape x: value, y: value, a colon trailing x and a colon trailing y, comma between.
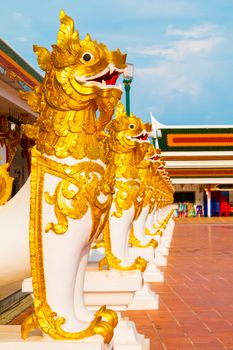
x: 66, y: 31
x: 43, y: 56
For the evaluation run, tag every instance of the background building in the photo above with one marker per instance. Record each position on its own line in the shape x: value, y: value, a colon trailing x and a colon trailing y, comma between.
x: 15, y: 75
x: 199, y: 160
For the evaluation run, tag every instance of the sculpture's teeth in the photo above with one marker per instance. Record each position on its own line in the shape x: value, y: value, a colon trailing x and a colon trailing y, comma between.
x: 104, y: 82
x: 111, y: 68
x: 80, y: 79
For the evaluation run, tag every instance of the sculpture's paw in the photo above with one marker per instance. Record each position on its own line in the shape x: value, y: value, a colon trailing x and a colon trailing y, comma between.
x: 105, y: 329
x: 29, y: 324
x: 110, y: 261
x: 103, y: 262
x: 109, y: 315
x: 159, y: 232
x: 140, y: 264
x: 53, y: 326
x: 153, y: 243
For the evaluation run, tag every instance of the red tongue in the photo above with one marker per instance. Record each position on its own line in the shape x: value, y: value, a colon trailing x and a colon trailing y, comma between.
x: 155, y: 158
x: 143, y: 137
x: 113, y: 79
x: 110, y: 79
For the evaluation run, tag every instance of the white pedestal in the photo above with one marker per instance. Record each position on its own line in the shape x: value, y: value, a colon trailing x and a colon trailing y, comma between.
x: 126, y: 337
x: 10, y: 339
x: 160, y: 260
x: 146, y: 253
x: 152, y: 273
x: 163, y: 250
x: 113, y: 288
x: 145, y: 299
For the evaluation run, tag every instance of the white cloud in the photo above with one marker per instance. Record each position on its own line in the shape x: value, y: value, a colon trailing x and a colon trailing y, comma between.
x: 179, y: 50
x: 168, y: 79
x: 181, y: 66
x: 195, y: 32
x: 199, y: 40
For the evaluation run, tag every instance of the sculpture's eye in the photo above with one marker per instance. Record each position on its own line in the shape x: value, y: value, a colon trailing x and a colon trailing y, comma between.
x: 131, y: 126
x: 87, y: 56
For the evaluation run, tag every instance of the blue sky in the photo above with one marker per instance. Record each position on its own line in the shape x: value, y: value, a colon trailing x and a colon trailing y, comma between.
x: 182, y: 50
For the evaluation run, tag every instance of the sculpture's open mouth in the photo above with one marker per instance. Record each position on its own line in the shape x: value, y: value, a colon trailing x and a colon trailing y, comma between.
x: 143, y: 136
x: 160, y: 167
x: 154, y: 158
x: 105, y: 79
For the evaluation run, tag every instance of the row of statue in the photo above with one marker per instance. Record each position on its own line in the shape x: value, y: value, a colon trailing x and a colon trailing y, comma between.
x: 96, y: 181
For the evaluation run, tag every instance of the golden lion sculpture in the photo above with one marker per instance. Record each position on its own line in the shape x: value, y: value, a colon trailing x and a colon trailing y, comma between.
x: 70, y: 199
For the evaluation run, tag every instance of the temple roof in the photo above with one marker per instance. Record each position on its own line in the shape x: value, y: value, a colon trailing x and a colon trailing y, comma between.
x: 188, y: 138
x: 15, y: 70
x: 196, y: 153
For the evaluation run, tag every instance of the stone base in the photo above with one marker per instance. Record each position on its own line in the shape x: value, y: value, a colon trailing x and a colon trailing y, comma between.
x: 152, y: 273
x: 10, y: 339
x: 113, y: 288
x: 126, y: 337
x: 160, y: 260
x: 165, y: 243
x: 145, y: 299
x: 146, y: 253
x: 163, y: 250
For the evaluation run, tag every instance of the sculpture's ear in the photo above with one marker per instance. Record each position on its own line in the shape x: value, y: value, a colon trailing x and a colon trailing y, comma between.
x: 120, y: 110
x: 88, y: 37
x: 43, y: 56
x: 66, y: 32
x: 148, y: 127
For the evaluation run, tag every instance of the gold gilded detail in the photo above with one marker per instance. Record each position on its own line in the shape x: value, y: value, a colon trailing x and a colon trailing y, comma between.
x: 6, y: 183
x: 123, y: 149
x: 80, y: 78
x: 71, y: 93
x: 135, y: 242
x: 127, y: 194
x: 110, y: 260
x: 44, y: 317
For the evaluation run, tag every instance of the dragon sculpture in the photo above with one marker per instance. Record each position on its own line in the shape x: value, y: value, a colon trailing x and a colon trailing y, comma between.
x: 163, y: 197
x: 147, y: 172
x: 125, y: 147
x: 70, y: 194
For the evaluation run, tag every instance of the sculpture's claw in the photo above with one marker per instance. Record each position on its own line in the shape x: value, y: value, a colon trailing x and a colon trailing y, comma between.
x: 109, y: 315
x: 103, y: 262
x: 140, y: 264
x: 105, y: 329
x: 29, y: 324
x: 153, y: 243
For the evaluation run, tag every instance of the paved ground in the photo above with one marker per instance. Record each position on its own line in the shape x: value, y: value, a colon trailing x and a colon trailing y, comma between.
x: 204, y: 220
x: 196, y: 300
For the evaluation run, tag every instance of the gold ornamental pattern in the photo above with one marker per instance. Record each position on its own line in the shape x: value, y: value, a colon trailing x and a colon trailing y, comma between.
x: 44, y: 317
x: 6, y: 182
